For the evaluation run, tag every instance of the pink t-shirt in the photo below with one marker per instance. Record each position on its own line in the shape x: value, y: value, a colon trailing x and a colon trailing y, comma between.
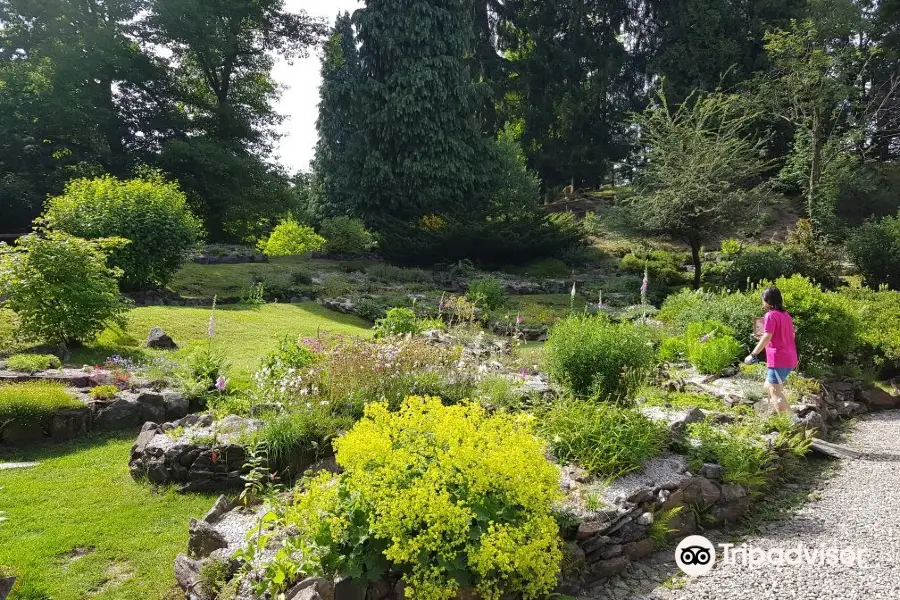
x: 781, y: 353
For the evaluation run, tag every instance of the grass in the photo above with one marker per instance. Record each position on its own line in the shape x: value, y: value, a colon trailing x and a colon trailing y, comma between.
x: 33, y: 402
x: 246, y: 334
x: 81, y: 498
x: 603, y: 438
x: 32, y: 363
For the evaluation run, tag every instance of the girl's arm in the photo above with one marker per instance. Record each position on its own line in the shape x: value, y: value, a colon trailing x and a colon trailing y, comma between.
x: 763, y: 342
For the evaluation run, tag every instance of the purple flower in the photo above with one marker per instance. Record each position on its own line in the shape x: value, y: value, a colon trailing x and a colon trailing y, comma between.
x: 520, y: 319
x: 523, y: 373
x: 221, y: 382
x: 211, y: 331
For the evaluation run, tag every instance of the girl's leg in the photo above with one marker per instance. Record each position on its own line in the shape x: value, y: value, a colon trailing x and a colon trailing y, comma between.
x: 776, y: 395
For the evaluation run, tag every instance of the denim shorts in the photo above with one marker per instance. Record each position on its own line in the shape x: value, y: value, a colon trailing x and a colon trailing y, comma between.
x: 778, y: 375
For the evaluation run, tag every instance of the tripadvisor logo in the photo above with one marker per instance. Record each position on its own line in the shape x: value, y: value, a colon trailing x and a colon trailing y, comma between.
x: 695, y: 555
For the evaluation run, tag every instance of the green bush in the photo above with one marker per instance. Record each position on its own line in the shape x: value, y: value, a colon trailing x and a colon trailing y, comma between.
x: 749, y: 267
x: 879, y: 327
x: 32, y: 363
x: 60, y: 287
x: 104, y: 392
x: 747, y: 460
x: 34, y: 402
x: 488, y: 293
x: 605, y: 439
x: 736, y: 311
x: 826, y: 324
x: 390, y: 274
x: 290, y: 238
x: 300, y: 435
x: 290, y: 356
x: 711, y: 347
x: 149, y: 212
x: 450, y: 497
x: 345, y: 235
x: 874, y: 248
x: 593, y: 358
x: 397, y: 321
x: 662, y: 267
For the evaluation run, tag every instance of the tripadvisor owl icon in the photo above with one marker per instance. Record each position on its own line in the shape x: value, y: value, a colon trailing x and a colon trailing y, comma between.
x: 695, y: 555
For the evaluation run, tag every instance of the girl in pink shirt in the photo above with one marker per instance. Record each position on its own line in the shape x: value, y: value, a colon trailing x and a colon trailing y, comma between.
x: 778, y: 342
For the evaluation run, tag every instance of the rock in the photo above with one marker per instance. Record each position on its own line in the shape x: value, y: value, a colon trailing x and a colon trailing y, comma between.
x: 203, y: 539
x: 595, y: 543
x: 638, y: 549
x: 732, y: 492
x: 813, y: 420
x: 878, y: 399
x: 176, y: 405
x: 187, y: 573
x: 644, y: 519
x: 833, y: 450
x: 219, y: 508
x: 311, y: 588
x: 70, y: 424
x: 605, y: 569
x: 676, y: 498
x: 347, y: 589
x: 588, y: 529
x: 160, y: 340
x: 682, y: 525
x: 15, y: 434
x: 848, y: 408
x: 573, y: 561
x: 378, y: 590
x: 632, y: 532
x: 677, y: 420
x: 118, y: 414
x: 328, y: 464
x: 700, y: 491
x: 712, y: 471
x: 640, y: 495
x: 610, y: 551
x: 6, y: 586
x: 730, y: 512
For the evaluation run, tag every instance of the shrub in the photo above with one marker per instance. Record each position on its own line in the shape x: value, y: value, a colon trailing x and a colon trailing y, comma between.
x: 751, y: 266
x: 301, y: 435
x: 878, y: 334
x: 747, y: 460
x: 291, y: 355
x: 290, y: 238
x: 149, y: 212
x: 662, y: 267
x: 391, y: 274
x: 826, y: 324
x: 345, y: 235
x: 60, y: 287
x: 592, y: 357
x: 449, y: 496
x: 875, y: 250
x: 605, y: 439
x: 398, y: 321
x: 32, y: 363
x: 34, y: 402
x: 104, y: 392
x: 735, y: 311
x: 488, y: 293
x: 711, y: 347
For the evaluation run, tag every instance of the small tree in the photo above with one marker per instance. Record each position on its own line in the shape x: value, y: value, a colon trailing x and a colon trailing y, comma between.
x: 700, y: 171
x: 60, y: 286
x: 290, y: 238
x: 148, y: 211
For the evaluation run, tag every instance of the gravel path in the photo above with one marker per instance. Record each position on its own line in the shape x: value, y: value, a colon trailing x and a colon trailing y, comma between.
x: 858, y: 507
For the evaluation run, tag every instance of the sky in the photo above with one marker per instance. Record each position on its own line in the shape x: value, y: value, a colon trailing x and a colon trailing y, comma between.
x: 300, y: 98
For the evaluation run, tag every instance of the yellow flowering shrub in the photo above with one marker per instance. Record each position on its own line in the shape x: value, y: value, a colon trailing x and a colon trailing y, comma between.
x: 451, y: 497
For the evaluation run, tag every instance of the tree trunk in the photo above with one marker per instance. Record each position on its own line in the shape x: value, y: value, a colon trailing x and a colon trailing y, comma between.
x: 695, y: 258
x: 118, y: 160
x: 815, y: 173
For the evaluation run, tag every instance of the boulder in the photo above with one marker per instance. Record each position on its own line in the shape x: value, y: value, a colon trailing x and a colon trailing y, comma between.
x: 638, y: 549
x: 726, y: 513
x: 813, y: 420
x: 878, y: 399
x: 605, y: 569
x: 187, y: 574
x: 682, y: 525
x: 160, y: 340
x: 700, y: 491
x: 712, y: 471
x: 70, y: 424
x: 311, y: 588
x: 6, y: 586
x: 347, y: 589
x: 203, y: 539
x: 731, y: 493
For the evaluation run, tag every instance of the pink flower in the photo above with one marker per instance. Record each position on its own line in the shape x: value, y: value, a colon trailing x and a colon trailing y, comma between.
x: 221, y: 382
x: 520, y: 319
x: 523, y: 373
x: 211, y: 330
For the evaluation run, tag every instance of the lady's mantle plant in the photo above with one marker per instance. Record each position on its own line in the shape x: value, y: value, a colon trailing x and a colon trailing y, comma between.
x: 451, y: 498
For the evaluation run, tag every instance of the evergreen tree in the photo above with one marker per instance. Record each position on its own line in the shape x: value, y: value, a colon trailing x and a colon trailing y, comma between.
x: 338, y: 154
x: 425, y: 154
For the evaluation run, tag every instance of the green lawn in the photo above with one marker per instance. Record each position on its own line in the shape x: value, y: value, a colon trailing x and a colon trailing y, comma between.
x: 245, y: 333
x: 81, y: 496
